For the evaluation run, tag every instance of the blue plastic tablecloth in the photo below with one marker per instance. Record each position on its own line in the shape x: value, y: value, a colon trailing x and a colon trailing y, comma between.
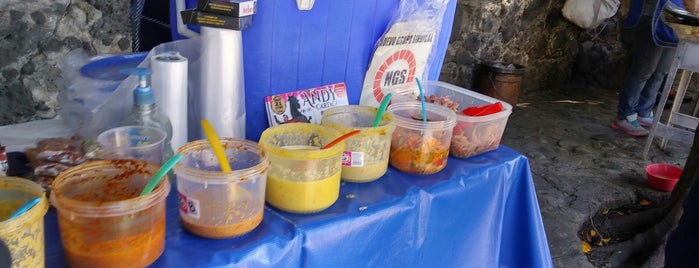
x: 477, y: 212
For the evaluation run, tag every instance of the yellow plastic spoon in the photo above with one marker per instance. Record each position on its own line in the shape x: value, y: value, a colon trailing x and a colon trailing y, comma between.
x: 216, y: 145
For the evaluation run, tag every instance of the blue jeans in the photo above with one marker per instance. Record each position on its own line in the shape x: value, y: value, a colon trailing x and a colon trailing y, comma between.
x: 650, y: 64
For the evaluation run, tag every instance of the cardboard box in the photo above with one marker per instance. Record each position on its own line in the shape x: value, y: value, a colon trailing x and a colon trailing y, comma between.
x: 235, y: 8
x: 198, y: 17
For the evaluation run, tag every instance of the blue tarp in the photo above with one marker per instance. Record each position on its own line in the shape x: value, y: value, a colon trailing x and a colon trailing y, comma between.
x: 477, y: 212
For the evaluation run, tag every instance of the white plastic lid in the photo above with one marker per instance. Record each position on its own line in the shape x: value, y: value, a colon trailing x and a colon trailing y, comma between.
x: 409, y: 115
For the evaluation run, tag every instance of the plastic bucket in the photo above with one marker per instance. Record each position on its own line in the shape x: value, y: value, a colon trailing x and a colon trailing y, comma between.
x: 133, y: 142
x: 216, y: 204
x: 23, y: 235
x: 302, y: 178
x: 662, y: 176
x: 365, y: 158
x: 500, y: 80
x: 103, y: 220
x: 419, y: 147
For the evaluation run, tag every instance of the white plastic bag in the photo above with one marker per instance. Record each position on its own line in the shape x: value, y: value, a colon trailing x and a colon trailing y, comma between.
x: 588, y: 14
x: 82, y: 93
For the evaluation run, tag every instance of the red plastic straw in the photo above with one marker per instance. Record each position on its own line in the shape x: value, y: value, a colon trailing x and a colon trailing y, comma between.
x: 341, y: 138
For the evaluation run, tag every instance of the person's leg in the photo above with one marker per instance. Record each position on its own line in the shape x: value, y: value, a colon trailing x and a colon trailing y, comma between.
x: 650, y: 90
x: 645, y: 55
x: 644, y: 60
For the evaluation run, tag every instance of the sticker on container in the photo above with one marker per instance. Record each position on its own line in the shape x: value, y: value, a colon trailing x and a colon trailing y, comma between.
x: 189, y: 206
x: 352, y: 159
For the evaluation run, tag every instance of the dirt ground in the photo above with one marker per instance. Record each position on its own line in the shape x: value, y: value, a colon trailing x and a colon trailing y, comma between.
x: 580, y: 164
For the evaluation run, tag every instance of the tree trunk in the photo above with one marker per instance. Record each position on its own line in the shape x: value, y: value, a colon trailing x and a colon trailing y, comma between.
x: 640, y: 234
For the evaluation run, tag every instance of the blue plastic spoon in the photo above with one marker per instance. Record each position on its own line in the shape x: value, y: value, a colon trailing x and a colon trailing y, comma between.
x: 25, y: 207
x: 422, y: 100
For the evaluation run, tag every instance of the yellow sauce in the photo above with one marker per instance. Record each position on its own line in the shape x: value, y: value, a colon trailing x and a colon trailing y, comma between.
x: 303, y: 196
x: 366, y: 173
x: 301, y: 147
x: 26, y: 244
x: 8, y: 207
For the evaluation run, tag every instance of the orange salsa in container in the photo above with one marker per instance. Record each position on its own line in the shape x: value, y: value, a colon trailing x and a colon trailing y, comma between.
x: 413, y: 154
x: 417, y: 146
x: 101, y: 217
x: 217, y: 204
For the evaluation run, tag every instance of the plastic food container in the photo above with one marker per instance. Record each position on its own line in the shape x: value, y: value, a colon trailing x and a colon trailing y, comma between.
x: 101, y: 217
x: 24, y: 234
x: 365, y: 157
x: 133, y: 142
x: 216, y: 204
x: 472, y: 135
x: 419, y: 147
x: 302, y: 178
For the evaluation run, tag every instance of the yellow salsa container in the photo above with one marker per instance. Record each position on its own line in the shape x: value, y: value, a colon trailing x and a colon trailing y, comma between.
x: 24, y: 234
x: 302, y: 178
x: 365, y: 158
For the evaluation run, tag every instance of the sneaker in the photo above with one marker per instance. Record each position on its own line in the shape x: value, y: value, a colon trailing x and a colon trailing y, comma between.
x: 630, y: 125
x: 646, y: 121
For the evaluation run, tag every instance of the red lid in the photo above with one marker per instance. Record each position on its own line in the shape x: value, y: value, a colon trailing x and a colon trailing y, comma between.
x: 483, y: 110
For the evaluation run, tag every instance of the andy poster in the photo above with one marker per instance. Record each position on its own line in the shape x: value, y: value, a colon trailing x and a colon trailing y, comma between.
x: 305, y: 105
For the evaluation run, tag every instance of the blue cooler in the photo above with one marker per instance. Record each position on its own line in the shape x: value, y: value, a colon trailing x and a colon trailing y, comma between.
x: 287, y: 49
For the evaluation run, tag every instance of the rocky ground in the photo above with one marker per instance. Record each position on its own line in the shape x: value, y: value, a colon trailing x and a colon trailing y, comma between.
x: 581, y: 165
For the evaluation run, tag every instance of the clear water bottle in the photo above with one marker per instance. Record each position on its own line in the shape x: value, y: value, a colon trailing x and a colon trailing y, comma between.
x: 145, y: 112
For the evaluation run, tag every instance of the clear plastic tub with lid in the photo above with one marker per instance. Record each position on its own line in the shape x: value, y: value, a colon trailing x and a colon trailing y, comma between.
x: 419, y: 147
x: 472, y: 135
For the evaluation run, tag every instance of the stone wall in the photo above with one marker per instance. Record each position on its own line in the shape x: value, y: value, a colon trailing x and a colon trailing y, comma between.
x: 36, y: 35
x: 532, y: 33
x: 34, y: 38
